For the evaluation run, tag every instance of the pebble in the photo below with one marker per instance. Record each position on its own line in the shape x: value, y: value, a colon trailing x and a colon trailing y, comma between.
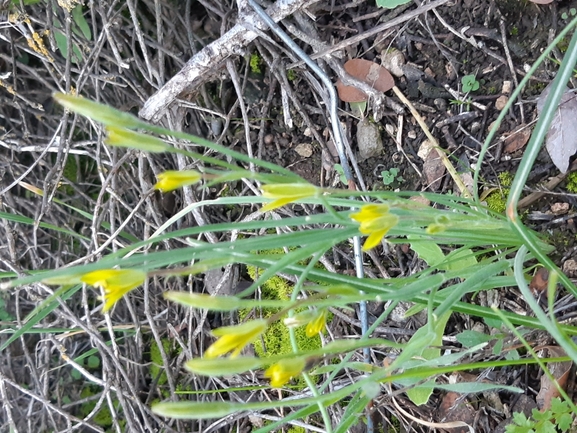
x: 268, y: 139
x: 501, y: 102
x: 369, y: 140
x: 393, y: 60
x: 304, y: 149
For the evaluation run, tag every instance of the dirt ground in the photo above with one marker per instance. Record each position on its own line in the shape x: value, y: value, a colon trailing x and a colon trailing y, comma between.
x: 259, y: 100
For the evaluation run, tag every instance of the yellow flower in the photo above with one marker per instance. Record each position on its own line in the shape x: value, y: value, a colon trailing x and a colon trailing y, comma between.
x: 234, y: 338
x: 315, y: 319
x: 284, y: 370
x: 174, y: 179
x: 284, y: 193
x: 115, y: 282
x: 316, y: 325
x: 376, y: 221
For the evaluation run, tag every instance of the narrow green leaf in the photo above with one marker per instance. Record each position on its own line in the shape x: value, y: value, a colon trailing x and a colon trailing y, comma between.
x: 471, y: 338
x: 78, y: 17
x: 391, y: 4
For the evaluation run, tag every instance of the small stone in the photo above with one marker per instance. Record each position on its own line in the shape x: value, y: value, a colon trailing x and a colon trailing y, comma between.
x: 501, y: 102
x: 412, y: 72
x: 450, y: 70
x: 440, y: 103
x: 216, y: 126
x: 507, y: 85
x: 412, y: 134
x: 304, y: 149
x: 570, y: 268
x: 491, y: 126
x: 424, y: 149
x: 369, y: 140
x: 559, y: 208
x: 307, y: 132
x: 268, y: 139
x: 393, y: 60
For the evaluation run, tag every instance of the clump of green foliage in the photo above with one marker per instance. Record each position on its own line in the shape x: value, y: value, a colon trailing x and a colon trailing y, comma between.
x: 470, y: 83
x: 391, y: 175
x: 557, y: 418
x: 572, y: 182
x: 255, y: 63
x: 497, y: 200
x: 276, y: 340
x: 103, y: 417
x: 291, y: 75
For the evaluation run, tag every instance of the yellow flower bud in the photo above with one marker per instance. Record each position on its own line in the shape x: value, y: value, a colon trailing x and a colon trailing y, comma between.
x: 283, y: 193
x: 174, y: 179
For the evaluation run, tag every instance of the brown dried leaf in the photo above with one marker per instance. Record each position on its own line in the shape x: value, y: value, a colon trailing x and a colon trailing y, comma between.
x: 456, y: 408
x: 433, y: 170
x: 371, y: 73
x: 517, y: 139
x: 350, y: 93
x: 560, y: 372
x: 540, y: 281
